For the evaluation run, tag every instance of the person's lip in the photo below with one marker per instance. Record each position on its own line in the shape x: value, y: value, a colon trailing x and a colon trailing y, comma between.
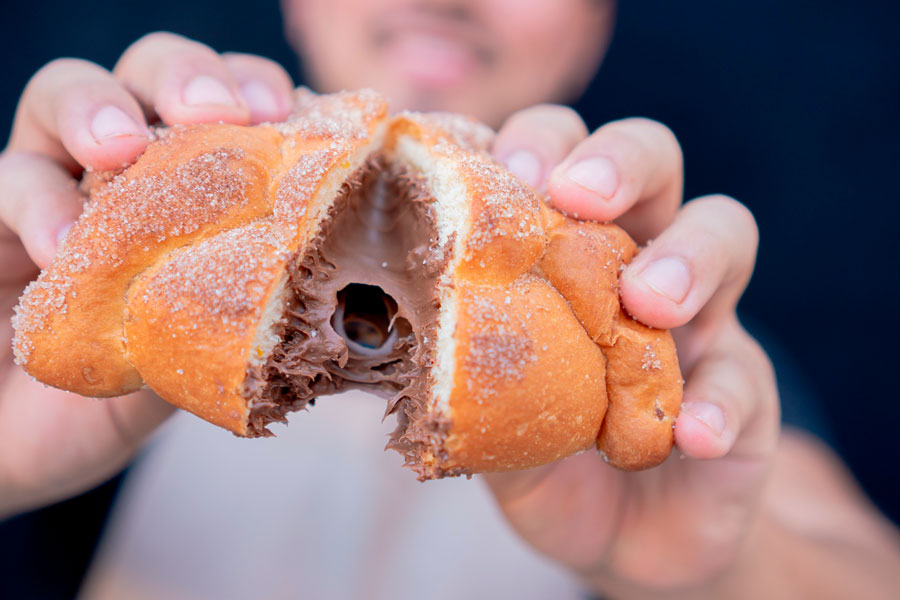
x: 430, y: 48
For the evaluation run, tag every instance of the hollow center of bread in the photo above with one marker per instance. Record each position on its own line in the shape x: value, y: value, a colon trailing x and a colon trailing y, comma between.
x: 361, y: 310
x: 364, y: 318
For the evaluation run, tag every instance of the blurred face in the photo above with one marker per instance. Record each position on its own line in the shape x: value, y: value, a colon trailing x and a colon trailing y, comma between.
x: 486, y: 58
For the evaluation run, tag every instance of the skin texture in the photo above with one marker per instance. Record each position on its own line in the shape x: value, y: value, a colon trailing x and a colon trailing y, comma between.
x: 739, y: 510
x: 75, y: 115
x: 480, y: 58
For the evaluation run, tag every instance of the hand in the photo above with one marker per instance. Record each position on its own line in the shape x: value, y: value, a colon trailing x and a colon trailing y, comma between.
x: 72, y: 116
x: 679, y: 524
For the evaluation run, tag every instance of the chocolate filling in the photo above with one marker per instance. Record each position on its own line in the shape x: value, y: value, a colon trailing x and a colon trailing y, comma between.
x: 363, y: 314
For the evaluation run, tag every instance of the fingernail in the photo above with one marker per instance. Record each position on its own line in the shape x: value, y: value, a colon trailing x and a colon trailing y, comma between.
x: 111, y: 121
x: 260, y: 99
x: 60, y: 237
x: 526, y: 166
x: 597, y: 174
x: 669, y: 277
x: 63, y: 232
x: 708, y: 414
x: 204, y: 89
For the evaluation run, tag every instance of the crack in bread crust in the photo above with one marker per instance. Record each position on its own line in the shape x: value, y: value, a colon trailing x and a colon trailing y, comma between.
x: 385, y: 216
x: 213, y: 270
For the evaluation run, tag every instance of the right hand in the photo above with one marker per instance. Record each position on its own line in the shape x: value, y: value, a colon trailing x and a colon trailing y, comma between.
x: 75, y: 116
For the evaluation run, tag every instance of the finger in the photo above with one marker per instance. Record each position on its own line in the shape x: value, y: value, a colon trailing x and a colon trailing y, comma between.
x: 554, y: 505
x: 181, y: 81
x: 698, y: 267
x: 533, y: 141
x: 730, y: 403
x: 628, y: 170
x: 39, y: 202
x: 265, y: 86
x: 54, y: 444
x: 77, y: 113
x: 136, y: 416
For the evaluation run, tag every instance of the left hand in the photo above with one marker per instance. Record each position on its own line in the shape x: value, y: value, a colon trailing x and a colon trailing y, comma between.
x: 74, y: 116
x: 681, y: 523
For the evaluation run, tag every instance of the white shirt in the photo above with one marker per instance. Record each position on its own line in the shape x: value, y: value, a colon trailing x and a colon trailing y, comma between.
x: 321, y: 511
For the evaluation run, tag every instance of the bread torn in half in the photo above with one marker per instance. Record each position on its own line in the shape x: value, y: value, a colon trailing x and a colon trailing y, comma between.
x: 242, y: 272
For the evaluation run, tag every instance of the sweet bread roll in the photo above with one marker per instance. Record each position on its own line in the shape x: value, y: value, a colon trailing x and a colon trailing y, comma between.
x: 241, y: 272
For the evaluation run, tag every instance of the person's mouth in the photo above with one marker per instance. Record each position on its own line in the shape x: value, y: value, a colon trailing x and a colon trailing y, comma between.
x: 432, y: 49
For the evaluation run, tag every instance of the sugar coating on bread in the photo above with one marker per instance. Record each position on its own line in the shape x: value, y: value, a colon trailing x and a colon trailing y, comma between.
x: 145, y: 211
x: 223, y: 271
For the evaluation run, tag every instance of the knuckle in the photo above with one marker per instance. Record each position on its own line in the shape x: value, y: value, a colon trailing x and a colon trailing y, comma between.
x: 154, y: 40
x: 168, y: 47
x: 12, y: 161
x: 758, y: 358
x: 37, y: 170
x: 559, y: 113
x: 736, y: 209
x: 549, y: 116
x: 649, y: 125
x: 707, y: 383
x: 728, y: 217
x: 60, y: 69
x: 59, y: 66
x: 257, y: 66
x: 761, y: 371
x: 743, y: 222
x: 250, y: 60
x: 649, y: 133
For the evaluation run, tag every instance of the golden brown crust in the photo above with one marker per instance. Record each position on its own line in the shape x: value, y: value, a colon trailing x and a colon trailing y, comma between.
x: 644, y: 388
x: 583, y: 261
x: 195, y: 182
x: 510, y: 237
x: 206, y: 302
x: 504, y: 234
x: 521, y: 397
x: 167, y: 278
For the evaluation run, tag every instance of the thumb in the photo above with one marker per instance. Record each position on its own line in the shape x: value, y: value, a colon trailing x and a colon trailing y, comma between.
x: 567, y: 510
x: 136, y: 416
x: 54, y: 444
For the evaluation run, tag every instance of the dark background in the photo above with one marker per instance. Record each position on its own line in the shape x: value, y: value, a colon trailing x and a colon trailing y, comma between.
x: 791, y: 106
